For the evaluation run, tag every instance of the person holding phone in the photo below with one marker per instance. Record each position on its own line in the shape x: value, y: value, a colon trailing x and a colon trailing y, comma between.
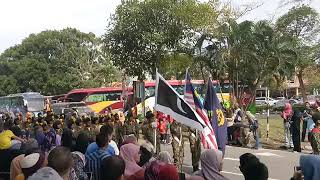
x: 309, y: 168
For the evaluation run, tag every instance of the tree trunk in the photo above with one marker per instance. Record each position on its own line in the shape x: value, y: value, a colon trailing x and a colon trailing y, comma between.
x: 302, y: 86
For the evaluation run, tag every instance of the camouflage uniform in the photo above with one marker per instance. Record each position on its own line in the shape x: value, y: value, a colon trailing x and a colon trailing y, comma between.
x: 177, y: 144
x: 148, y: 133
x: 130, y: 128
x: 195, y: 147
x: 119, y: 133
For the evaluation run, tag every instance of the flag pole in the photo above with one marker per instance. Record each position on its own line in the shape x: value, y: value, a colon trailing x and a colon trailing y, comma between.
x: 155, y: 129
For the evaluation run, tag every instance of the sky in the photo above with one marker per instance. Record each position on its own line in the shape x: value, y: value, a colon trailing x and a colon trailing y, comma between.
x: 19, y: 18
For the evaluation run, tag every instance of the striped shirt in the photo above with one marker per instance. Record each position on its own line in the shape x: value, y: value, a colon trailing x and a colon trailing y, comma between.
x: 93, y: 162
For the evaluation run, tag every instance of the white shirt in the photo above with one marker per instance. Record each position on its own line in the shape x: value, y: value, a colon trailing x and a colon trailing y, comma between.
x: 115, y: 147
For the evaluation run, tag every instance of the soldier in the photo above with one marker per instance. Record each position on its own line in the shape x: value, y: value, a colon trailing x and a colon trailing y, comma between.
x: 195, y: 147
x: 130, y: 127
x: 177, y: 144
x: 148, y: 129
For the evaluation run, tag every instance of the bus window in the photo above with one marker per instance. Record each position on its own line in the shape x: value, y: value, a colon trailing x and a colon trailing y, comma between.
x: 110, y: 96
x: 179, y: 89
x: 17, y: 101
x: 150, y: 91
x: 76, y: 97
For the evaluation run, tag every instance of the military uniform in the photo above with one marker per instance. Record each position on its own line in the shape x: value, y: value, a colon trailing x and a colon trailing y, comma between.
x: 119, y: 133
x: 148, y: 133
x: 195, y: 147
x: 177, y: 144
x: 130, y: 128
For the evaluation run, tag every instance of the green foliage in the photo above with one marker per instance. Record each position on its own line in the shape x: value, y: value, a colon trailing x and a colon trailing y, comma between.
x: 142, y: 33
x: 8, y: 85
x: 54, y: 62
x: 301, y: 27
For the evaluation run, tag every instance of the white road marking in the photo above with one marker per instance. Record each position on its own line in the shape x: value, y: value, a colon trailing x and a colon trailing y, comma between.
x: 231, y: 159
x: 267, y: 154
x: 238, y: 174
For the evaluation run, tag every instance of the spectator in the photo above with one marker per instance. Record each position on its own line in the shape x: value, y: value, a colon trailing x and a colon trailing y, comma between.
x: 58, y: 130
x: 31, y: 146
x: 164, y: 156
x: 310, y: 168
x: 195, y: 178
x: 286, y: 115
x: 82, y: 143
x: 113, y: 168
x: 130, y: 139
x: 78, y: 171
x: 130, y: 154
x: 30, y: 164
x: 257, y: 171
x: 40, y: 137
x: 162, y: 130
x: 93, y: 160
x: 146, y: 154
x: 295, y: 130
x: 315, y: 134
x: 254, y: 128
x: 6, y: 135
x: 307, y: 118
x: 67, y: 139
x: 59, y: 165
x: 247, y: 160
x: 161, y: 171
x: 252, y: 168
x: 107, y: 131
x: 50, y: 135
x: 211, y: 164
x: 17, y: 132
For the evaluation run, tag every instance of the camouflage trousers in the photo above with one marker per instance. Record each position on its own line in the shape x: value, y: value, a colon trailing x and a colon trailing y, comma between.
x: 178, y: 152
x: 195, y: 148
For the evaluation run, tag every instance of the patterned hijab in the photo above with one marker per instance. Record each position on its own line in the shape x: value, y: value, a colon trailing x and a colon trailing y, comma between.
x: 210, y: 163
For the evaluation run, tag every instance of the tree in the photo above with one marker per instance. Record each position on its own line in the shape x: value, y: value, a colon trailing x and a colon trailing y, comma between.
x: 301, y: 26
x: 54, y: 62
x: 8, y: 85
x: 142, y: 33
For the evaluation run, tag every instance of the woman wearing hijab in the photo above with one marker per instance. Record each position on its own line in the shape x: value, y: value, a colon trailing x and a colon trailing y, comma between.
x: 79, y: 160
x: 146, y: 155
x: 130, y: 154
x: 164, y: 156
x: 310, y: 168
x: 161, y: 171
x: 211, y: 165
x: 286, y: 115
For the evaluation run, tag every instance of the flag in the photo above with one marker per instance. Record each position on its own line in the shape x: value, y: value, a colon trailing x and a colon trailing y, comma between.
x: 215, y: 114
x: 192, y: 98
x: 169, y: 102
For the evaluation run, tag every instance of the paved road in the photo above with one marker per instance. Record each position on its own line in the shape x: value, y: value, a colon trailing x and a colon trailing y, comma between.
x: 279, y: 163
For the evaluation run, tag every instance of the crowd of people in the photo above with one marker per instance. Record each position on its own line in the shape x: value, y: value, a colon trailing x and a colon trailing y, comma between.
x: 110, y: 147
x: 310, y: 120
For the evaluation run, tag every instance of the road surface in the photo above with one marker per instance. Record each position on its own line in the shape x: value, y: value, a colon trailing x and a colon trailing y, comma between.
x: 280, y: 163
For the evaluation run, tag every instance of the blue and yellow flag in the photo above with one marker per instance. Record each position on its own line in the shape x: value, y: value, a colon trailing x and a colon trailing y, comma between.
x: 215, y: 114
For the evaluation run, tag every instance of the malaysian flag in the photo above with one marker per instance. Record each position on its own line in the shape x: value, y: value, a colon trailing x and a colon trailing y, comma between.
x: 208, y: 138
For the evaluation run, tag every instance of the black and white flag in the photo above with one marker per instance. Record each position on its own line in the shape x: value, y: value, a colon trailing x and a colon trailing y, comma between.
x: 169, y: 102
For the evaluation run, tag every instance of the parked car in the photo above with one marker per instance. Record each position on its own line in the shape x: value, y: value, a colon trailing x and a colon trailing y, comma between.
x: 312, y: 99
x: 260, y: 101
x: 281, y: 103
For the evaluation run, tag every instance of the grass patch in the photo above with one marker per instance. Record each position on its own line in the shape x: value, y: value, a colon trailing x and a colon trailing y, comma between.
x: 276, y: 134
